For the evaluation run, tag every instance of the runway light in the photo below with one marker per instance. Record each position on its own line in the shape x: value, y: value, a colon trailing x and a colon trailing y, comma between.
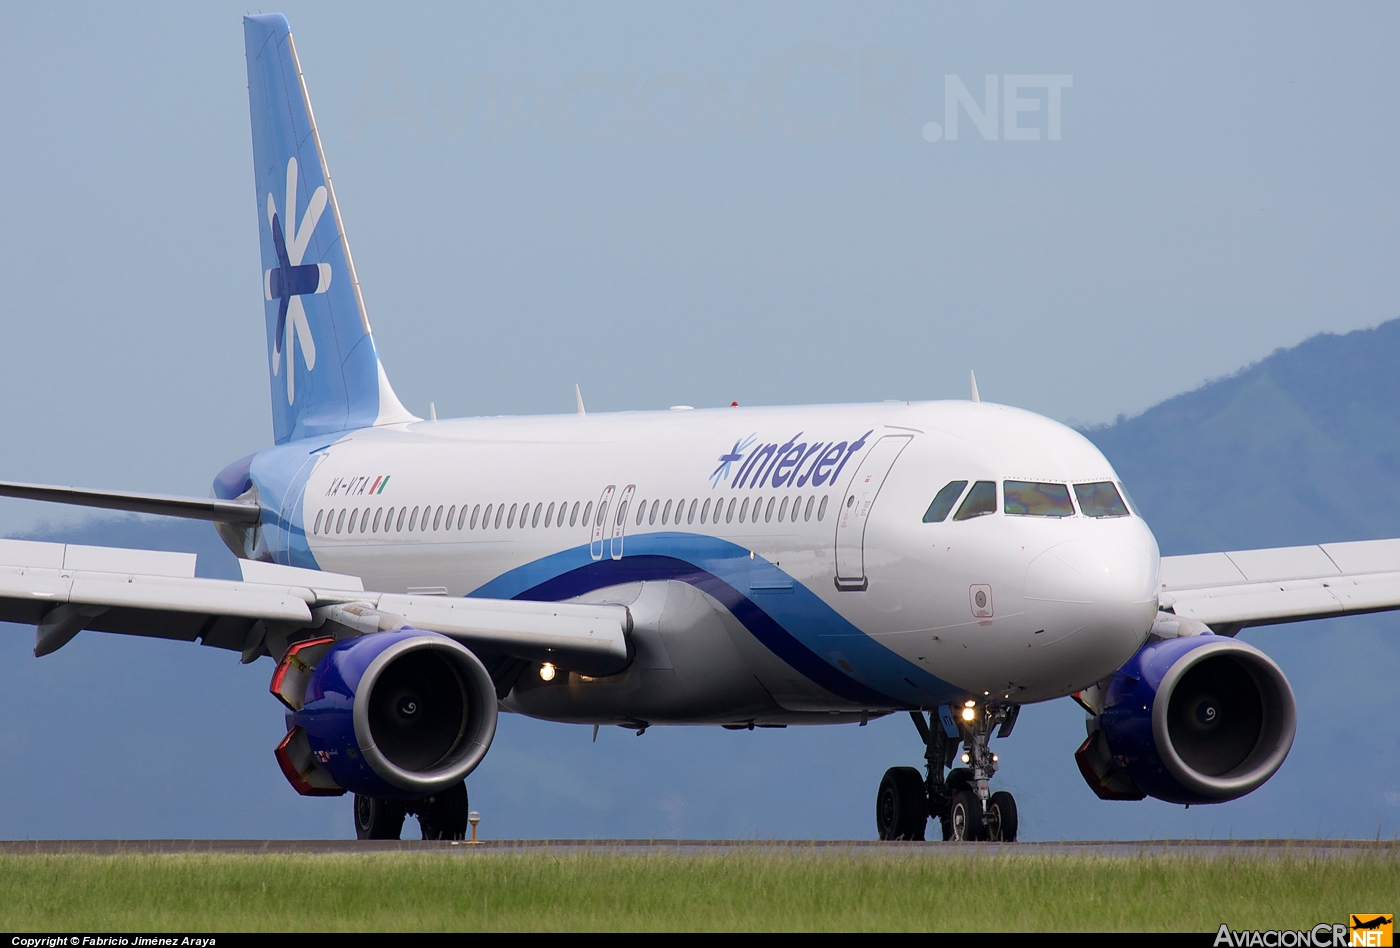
x: 547, y: 672
x: 965, y: 758
x: 969, y: 713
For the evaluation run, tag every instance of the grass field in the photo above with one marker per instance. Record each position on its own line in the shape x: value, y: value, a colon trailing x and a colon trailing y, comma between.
x: 730, y: 891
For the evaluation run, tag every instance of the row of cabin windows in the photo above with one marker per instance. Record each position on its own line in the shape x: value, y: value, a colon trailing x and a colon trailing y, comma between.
x: 1026, y: 499
x: 467, y: 517
x: 788, y: 509
x: 497, y: 516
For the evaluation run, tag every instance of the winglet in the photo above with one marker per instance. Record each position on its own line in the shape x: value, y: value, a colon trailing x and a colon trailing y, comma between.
x: 973, y: 377
x: 578, y: 397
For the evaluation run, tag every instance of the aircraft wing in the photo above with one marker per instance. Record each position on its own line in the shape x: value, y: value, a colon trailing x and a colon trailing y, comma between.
x: 63, y: 589
x: 1233, y: 591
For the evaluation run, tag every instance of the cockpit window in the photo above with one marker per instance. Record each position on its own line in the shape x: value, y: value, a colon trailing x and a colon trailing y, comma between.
x: 1100, y: 499
x: 942, y: 503
x: 1027, y: 499
x: 981, y: 500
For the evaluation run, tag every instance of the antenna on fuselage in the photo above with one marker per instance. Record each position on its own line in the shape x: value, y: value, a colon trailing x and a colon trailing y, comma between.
x: 578, y: 397
x: 973, y: 377
x: 432, y: 411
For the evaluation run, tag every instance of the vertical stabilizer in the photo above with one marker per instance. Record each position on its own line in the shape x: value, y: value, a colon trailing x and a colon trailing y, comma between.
x: 326, y: 374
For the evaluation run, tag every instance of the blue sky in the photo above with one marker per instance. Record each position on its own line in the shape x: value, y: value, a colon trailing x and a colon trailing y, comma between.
x: 543, y: 194
x: 686, y: 204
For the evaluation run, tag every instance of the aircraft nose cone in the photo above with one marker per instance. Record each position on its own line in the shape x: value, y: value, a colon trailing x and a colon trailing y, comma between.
x: 1091, y: 571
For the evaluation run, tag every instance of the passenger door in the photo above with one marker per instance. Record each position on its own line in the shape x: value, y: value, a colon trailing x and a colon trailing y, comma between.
x: 855, y: 510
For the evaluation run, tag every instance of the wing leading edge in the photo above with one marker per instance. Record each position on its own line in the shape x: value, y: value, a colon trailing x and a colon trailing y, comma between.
x: 62, y: 589
x: 1244, y: 588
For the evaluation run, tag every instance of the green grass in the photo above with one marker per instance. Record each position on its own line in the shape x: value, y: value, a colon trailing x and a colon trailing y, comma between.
x: 762, y: 891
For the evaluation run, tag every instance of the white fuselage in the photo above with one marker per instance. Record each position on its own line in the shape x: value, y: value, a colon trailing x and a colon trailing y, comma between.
x: 818, y: 591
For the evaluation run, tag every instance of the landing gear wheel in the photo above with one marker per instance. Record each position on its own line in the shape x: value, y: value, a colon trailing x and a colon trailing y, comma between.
x: 958, y: 779
x: 966, y: 817
x: 901, y: 809
x: 444, y: 814
x: 1001, y: 818
x: 377, y: 818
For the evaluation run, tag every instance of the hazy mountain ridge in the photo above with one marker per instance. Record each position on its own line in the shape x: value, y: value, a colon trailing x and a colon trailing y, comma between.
x: 1301, y: 447
x: 155, y: 738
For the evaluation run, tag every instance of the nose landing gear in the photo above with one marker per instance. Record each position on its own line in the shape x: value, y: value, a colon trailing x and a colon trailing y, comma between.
x: 962, y: 800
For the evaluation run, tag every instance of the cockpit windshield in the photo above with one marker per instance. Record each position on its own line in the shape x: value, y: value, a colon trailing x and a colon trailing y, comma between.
x: 981, y: 500
x: 1100, y: 499
x: 943, y: 502
x: 1030, y: 499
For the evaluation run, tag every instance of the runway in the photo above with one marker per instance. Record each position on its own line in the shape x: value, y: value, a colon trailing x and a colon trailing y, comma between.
x: 1166, y: 848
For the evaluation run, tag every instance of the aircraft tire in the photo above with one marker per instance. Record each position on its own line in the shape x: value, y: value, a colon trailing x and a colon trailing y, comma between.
x: 376, y: 818
x: 959, y: 778
x: 1001, y: 817
x: 966, y: 817
x: 901, y: 807
x: 444, y: 815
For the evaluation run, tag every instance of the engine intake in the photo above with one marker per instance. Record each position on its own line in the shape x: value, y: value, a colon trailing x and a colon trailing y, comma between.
x: 398, y: 714
x: 1200, y: 719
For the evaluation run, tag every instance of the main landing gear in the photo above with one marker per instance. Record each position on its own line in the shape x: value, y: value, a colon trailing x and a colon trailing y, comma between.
x: 961, y: 801
x: 441, y: 816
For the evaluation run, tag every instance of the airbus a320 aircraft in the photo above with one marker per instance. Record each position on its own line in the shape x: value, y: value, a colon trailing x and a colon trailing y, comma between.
x: 740, y: 567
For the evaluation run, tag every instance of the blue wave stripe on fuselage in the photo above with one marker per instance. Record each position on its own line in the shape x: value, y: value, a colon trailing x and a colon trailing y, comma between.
x: 799, y: 628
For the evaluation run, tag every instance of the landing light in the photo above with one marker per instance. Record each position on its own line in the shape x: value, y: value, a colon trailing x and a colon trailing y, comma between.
x: 547, y: 672
x: 965, y: 758
x: 970, y: 704
x: 969, y: 713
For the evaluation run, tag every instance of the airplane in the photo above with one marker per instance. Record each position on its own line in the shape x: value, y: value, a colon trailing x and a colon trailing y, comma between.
x: 739, y: 567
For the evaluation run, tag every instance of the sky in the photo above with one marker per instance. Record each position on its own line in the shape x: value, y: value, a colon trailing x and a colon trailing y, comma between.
x: 697, y: 204
x: 671, y: 204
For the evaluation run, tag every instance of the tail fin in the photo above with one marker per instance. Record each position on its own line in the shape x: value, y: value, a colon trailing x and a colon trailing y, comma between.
x: 326, y: 374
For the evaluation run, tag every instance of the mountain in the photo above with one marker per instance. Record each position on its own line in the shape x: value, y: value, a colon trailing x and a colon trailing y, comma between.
x: 117, y: 736
x: 1302, y: 447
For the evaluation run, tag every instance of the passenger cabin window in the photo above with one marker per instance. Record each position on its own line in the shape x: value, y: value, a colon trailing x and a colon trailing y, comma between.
x: 1100, y: 499
x: 980, y: 501
x: 943, y: 502
x: 1028, y: 499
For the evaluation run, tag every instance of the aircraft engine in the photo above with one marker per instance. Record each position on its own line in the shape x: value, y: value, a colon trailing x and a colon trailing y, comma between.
x: 391, y: 714
x: 1199, y: 719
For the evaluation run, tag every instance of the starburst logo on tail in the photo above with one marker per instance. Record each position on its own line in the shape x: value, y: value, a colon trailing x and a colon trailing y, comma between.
x: 291, y: 280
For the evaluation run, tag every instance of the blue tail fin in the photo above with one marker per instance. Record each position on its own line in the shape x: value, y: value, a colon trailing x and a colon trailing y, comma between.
x: 326, y: 375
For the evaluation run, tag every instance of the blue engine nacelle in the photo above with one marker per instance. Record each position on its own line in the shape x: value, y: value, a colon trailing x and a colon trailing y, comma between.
x: 1198, y: 719
x: 395, y: 714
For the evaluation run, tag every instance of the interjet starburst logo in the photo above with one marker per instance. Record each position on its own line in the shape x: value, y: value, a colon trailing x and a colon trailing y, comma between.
x: 291, y: 280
